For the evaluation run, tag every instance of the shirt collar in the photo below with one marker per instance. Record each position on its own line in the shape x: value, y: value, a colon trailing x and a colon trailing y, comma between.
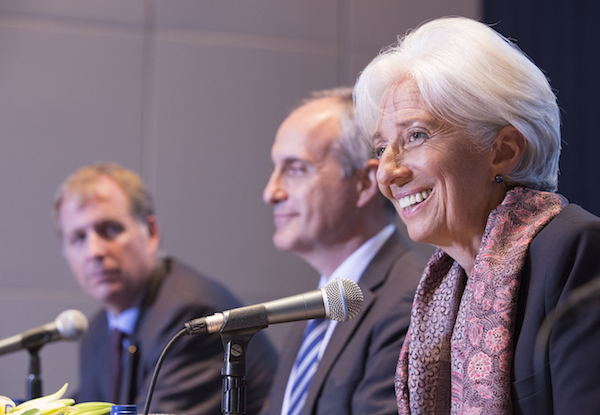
x: 125, y: 321
x: 353, y: 267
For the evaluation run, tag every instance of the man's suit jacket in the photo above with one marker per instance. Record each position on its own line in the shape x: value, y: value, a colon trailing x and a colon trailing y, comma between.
x: 562, y: 257
x: 356, y: 373
x: 189, y: 380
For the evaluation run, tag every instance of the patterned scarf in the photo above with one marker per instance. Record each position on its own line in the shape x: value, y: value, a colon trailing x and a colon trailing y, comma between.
x: 458, y: 352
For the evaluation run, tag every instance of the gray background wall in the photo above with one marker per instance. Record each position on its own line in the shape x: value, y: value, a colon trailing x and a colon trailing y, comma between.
x: 190, y: 94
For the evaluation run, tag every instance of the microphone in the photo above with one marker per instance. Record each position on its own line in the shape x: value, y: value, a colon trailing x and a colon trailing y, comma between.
x: 69, y: 325
x: 339, y: 300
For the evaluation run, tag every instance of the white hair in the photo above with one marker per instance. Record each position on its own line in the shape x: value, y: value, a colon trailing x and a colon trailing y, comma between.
x: 474, y: 78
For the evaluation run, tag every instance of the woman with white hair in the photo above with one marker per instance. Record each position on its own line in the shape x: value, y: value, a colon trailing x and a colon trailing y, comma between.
x: 467, y: 130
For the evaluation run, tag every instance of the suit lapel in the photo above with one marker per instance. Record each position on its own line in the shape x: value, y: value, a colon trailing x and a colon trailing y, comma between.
x: 103, y: 353
x: 373, y: 276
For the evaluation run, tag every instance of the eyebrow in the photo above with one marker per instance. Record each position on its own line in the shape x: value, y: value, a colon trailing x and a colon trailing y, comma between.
x: 403, y: 124
x: 429, y: 122
x: 411, y: 121
x: 292, y: 159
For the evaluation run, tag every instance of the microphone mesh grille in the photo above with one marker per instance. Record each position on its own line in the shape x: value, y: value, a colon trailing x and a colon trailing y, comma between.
x: 71, y: 324
x: 335, y: 297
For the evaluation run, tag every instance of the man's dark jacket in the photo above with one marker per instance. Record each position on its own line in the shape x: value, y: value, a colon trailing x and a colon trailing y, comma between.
x: 356, y: 373
x: 189, y: 381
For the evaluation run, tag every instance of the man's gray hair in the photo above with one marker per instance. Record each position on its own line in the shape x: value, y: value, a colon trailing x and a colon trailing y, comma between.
x: 352, y: 148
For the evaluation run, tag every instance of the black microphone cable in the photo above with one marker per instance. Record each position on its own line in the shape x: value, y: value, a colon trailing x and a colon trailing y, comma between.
x: 583, y: 295
x: 339, y: 295
x: 159, y: 363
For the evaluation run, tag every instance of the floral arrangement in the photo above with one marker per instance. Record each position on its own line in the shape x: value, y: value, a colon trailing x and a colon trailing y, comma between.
x: 53, y: 405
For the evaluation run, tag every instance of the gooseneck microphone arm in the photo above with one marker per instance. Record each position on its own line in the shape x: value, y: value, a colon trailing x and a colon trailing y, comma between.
x: 69, y: 325
x: 338, y: 300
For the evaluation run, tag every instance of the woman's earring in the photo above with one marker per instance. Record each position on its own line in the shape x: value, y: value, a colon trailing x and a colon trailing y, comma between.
x: 499, y: 178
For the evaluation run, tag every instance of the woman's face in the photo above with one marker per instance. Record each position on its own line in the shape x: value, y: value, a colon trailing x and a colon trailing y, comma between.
x: 441, y: 185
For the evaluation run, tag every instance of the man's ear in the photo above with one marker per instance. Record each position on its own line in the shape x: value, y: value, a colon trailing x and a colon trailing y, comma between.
x: 367, y: 182
x: 153, y: 232
x: 508, y: 148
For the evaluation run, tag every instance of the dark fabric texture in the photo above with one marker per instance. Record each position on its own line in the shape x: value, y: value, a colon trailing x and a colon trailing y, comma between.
x: 565, y: 255
x: 189, y: 381
x: 356, y: 373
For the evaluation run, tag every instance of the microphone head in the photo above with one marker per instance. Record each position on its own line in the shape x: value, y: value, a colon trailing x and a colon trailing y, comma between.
x: 71, y: 324
x: 343, y: 299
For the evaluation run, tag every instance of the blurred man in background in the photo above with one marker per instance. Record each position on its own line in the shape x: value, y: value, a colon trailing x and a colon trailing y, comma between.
x: 328, y: 210
x: 110, y: 238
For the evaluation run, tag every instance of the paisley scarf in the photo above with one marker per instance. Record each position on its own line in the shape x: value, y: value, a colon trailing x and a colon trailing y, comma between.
x: 458, y: 352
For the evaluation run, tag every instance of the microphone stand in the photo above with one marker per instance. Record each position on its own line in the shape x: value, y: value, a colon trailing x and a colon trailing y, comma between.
x: 235, y: 335
x: 34, y: 380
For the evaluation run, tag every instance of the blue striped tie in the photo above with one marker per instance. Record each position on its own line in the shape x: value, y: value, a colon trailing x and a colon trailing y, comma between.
x: 306, y: 363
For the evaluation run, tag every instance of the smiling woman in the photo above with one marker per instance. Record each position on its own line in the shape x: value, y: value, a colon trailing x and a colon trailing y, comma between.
x: 467, y: 132
x: 422, y: 155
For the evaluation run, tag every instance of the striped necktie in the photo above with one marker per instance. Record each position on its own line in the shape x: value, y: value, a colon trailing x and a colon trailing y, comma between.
x: 306, y: 363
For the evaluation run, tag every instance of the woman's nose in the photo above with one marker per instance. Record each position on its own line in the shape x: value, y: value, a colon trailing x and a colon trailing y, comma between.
x: 393, y: 169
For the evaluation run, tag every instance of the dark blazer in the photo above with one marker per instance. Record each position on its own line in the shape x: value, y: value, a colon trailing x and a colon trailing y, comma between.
x: 356, y: 373
x: 189, y: 380
x: 563, y: 256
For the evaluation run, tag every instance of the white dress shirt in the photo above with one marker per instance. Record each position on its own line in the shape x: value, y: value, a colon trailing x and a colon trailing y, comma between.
x: 352, y: 269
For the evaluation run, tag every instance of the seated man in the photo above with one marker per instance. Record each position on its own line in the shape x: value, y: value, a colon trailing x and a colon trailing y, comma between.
x: 328, y: 210
x: 110, y: 238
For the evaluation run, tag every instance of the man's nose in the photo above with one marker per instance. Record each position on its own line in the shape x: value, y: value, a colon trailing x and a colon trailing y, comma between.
x: 274, y: 191
x: 96, y: 245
